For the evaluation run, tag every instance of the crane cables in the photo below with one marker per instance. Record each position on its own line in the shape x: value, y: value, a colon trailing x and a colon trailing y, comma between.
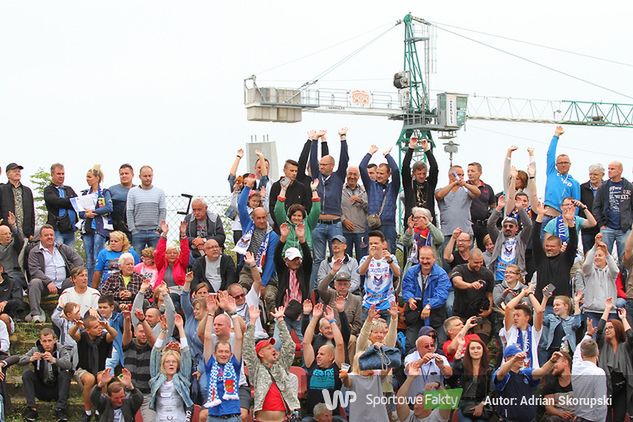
x: 534, y: 62
x: 533, y: 44
x: 321, y: 50
x: 328, y: 70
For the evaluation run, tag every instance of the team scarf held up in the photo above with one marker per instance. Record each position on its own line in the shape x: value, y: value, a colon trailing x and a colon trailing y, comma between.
x: 245, y: 242
x: 229, y: 380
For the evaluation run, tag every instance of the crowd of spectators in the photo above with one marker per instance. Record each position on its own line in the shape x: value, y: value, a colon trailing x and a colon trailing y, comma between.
x: 515, y: 308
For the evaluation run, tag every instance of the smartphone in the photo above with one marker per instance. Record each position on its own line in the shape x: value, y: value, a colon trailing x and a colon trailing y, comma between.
x: 549, y: 288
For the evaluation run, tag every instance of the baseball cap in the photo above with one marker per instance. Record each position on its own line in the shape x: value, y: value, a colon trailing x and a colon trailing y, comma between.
x: 292, y: 253
x: 510, y: 220
x: 427, y: 331
x: 12, y: 166
x: 340, y: 238
x: 343, y: 277
x: 264, y: 343
x: 511, y: 350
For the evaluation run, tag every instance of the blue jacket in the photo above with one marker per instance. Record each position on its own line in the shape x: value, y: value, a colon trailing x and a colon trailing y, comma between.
x: 268, y: 270
x: 181, y: 381
x: 376, y: 192
x: 557, y: 186
x: 570, y: 325
x: 437, y: 287
x: 330, y: 188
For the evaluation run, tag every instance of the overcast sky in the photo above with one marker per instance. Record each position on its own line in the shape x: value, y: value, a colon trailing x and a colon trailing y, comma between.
x: 160, y: 82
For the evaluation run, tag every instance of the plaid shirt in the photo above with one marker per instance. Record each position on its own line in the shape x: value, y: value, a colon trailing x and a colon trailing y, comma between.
x: 114, y: 285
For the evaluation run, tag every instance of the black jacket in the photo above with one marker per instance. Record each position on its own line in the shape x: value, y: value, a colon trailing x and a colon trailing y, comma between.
x: 7, y: 203
x: 54, y: 203
x: 410, y: 186
x: 586, y: 197
x: 601, y: 205
x: 283, y: 274
x: 227, y: 271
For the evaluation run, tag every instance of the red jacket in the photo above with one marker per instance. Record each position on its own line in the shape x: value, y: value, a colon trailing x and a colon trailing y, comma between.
x: 180, y: 266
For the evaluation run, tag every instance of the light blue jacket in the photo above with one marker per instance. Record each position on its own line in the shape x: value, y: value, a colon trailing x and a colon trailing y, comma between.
x: 570, y: 325
x: 181, y: 379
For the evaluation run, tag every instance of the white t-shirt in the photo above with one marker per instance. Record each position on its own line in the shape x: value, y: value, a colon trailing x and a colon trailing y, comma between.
x: 86, y: 301
x: 169, y: 404
x: 512, y: 337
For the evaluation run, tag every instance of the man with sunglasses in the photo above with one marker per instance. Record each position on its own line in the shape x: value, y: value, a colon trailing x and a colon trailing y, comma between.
x: 510, y: 242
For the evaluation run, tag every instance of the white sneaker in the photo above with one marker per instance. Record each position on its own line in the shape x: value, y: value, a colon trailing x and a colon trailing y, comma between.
x: 39, y: 319
x: 28, y: 318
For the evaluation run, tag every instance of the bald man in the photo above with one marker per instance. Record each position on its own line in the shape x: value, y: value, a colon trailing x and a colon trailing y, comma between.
x: 330, y: 190
x: 613, y: 208
x: 257, y: 238
x: 202, y: 225
x: 11, y: 243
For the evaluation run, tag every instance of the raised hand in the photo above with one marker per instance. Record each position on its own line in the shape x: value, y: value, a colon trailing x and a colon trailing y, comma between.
x: 212, y: 303
x: 278, y: 314
x: 126, y: 378
x: 512, y: 149
x: 284, y: 230
x: 307, y: 307
x: 183, y: 228
x: 163, y: 322
x: 622, y: 313
x: 501, y: 202
x: 11, y: 219
x: 314, y: 184
x: 106, y: 376
x: 138, y: 313
x: 591, y: 330
x: 415, y: 368
x: 240, y: 153
x: 317, y: 310
x: 456, y: 233
x: 608, y: 303
x: 312, y: 134
x: 387, y: 151
x: 540, y: 208
x: 373, y: 149
x: 254, y: 313
x: 322, y: 134
x: 164, y: 227
x: 393, y: 310
x: 342, y: 131
x: 328, y: 313
x: 260, y: 155
x: 178, y: 321
x: 372, y: 313
x: 413, y: 142
x: 425, y: 144
x: 337, y: 265
x: 340, y: 304
x: 410, y: 222
x: 559, y: 131
x: 530, y: 151
x: 249, y: 259
x: 300, y: 230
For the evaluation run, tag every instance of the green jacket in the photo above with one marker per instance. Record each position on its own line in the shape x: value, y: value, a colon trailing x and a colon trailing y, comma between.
x: 310, y: 223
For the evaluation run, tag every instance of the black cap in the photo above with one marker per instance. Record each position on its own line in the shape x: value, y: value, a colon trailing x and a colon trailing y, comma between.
x: 12, y: 166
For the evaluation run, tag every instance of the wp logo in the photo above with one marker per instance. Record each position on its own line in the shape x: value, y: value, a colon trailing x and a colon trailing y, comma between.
x: 332, y: 400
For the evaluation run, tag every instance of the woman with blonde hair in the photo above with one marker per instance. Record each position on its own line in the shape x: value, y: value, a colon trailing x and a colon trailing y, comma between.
x: 108, y: 258
x: 97, y: 224
x: 170, y: 371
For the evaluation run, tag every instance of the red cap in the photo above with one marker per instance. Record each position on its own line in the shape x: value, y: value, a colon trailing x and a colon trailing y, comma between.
x: 264, y: 343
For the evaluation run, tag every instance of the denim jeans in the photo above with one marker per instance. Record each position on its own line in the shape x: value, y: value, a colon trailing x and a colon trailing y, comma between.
x: 390, y: 236
x: 611, y: 236
x: 356, y: 242
x: 321, y: 237
x: 67, y: 239
x: 93, y: 244
x: 144, y: 238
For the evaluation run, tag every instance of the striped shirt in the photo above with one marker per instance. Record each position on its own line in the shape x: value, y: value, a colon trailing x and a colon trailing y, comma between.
x: 136, y: 359
x: 146, y: 208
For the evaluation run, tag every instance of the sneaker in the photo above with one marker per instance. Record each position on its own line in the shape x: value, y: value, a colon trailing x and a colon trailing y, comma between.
x: 28, y: 318
x: 30, y: 414
x: 38, y: 319
x: 61, y: 415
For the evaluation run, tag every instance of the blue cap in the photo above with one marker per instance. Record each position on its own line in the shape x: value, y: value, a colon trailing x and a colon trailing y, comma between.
x: 511, y: 350
x: 340, y: 238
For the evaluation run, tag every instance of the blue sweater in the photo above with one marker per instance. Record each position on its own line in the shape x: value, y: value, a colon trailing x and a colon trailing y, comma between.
x: 376, y: 191
x: 330, y: 188
x: 268, y: 269
x: 558, y: 186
